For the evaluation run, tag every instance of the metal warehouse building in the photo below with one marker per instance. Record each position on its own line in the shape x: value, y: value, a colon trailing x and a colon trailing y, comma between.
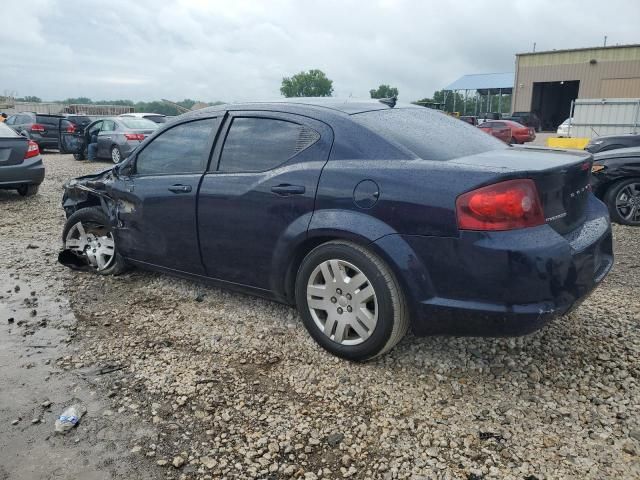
x: 547, y: 82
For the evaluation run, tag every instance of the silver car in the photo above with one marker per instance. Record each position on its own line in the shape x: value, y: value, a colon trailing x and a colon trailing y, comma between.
x: 116, y: 137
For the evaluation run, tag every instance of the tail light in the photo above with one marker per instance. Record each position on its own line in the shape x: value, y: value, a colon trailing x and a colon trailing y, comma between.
x: 32, y: 150
x: 134, y: 136
x: 36, y: 127
x: 503, y: 206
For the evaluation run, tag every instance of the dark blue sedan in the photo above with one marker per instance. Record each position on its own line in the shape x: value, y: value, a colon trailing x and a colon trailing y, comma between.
x: 370, y: 217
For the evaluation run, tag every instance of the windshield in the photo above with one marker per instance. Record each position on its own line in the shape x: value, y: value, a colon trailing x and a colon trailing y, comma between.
x: 428, y: 133
x: 139, y: 123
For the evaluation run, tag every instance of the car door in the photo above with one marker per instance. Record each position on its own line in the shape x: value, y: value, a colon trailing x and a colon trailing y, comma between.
x: 263, y: 186
x: 156, y: 213
x: 75, y: 140
x: 105, y: 139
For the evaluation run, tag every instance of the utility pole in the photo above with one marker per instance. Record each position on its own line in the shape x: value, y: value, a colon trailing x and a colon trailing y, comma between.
x: 605, y: 41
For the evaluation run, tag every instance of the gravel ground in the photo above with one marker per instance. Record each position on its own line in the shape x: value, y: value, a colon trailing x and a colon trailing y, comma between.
x: 230, y: 386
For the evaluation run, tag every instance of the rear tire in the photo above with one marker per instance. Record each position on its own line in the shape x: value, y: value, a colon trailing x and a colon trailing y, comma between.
x: 116, y: 154
x: 623, y: 201
x: 88, y: 234
x: 350, y: 301
x: 28, y: 190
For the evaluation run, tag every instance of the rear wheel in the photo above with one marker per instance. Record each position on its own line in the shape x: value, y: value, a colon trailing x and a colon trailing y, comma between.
x: 28, y: 190
x: 623, y: 200
x: 88, y: 235
x: 116, y: 155
x: 350, y: 301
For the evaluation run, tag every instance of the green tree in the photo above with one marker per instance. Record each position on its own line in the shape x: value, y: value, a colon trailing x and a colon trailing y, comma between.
x: 30, y: 99
x: 313, y: 83
x: 384, y: 91
x: 78, y: 101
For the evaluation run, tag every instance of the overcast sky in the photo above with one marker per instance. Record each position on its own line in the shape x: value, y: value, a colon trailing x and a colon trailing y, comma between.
x: 239, y: 50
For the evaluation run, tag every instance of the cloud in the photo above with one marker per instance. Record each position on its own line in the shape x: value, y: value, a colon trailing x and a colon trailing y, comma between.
x: 240, y: 50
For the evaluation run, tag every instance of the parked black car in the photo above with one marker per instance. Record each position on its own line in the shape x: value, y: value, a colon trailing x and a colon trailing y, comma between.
x: 369, y: 217
x: 44, y: 129
x: 528, y: 119
x: 21, y: 165
x: 616, y: 180
x: 613, y: 142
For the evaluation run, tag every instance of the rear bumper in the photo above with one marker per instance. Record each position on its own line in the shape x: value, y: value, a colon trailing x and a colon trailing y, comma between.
x: 47, y: 142
x: 127, y: 147
x: 504, y: 283
x: 29, y: 172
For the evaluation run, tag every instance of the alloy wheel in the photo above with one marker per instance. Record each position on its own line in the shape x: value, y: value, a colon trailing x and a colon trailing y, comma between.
x: 115, y: 155
x: 94, y: 242
x: 342, y: 302
x: 628, y: 202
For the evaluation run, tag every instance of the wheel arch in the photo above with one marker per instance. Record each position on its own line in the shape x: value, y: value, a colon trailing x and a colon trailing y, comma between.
x: 365, y: 231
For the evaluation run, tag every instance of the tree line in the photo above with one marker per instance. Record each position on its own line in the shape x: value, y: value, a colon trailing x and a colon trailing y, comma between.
x: 315, y: 83
x: 155, y: 106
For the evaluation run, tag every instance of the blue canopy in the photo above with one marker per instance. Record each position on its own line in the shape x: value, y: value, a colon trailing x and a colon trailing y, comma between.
x: 485, y: 83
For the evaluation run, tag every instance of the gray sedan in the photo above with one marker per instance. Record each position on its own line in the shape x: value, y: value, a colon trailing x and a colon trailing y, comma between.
x: 117, y: 137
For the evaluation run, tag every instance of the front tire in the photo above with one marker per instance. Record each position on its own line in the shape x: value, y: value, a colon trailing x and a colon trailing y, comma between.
x: 116, y: 154
x: 350, y: 301
x: 88, y: 235
x: 28, y: 190
x: 623, y: 201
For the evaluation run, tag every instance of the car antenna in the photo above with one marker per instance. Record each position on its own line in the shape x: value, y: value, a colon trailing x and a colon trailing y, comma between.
x: 391, y: 101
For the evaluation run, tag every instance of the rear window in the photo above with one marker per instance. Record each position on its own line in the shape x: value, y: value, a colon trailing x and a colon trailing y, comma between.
x: 156, y: 118
x: 138, y: 123
x: 48, y: 120
x: 429, y: 134
x: 6, y: 132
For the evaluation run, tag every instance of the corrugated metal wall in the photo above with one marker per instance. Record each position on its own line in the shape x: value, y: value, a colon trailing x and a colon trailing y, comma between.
x: 615, y: 116
x: 616, y: 73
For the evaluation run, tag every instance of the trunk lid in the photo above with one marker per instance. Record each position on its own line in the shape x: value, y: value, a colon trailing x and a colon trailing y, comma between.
x: 562, y: 178
x: 13, y: 147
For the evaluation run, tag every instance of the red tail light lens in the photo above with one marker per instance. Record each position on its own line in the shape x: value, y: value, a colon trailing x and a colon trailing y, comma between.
x: 503, y: 206
x: 134, y: 136
x: 32, y: 149
x: 36, y: 127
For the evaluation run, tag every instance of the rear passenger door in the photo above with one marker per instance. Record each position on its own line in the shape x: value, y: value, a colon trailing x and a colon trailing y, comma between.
x: 259, y: 190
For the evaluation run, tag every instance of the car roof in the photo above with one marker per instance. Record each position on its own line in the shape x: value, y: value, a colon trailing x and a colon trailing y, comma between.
x: 141, y: 114
x: 349, y: 106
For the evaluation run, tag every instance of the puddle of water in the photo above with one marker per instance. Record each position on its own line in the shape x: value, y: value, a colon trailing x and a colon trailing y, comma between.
x: 30, y: 344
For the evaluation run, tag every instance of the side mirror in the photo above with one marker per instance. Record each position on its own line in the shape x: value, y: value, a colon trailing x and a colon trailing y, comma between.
x: 24, y: 133
x: 127, y: 167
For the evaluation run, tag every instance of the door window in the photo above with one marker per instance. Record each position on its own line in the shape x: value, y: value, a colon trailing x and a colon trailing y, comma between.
x: 259, y: 144
x: 108, y: 126
x: 95, y: 128
x: 182, y: 149
x: 11, y: 120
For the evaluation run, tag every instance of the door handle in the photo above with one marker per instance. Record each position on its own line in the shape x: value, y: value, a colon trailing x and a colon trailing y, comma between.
x: 180, y: 188
x: 286, y: 189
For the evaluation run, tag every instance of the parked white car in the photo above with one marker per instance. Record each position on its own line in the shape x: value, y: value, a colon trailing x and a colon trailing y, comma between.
x: 564, y: 129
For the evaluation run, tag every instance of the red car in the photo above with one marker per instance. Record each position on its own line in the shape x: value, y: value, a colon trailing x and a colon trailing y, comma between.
x: 518, y: 133
x: 498, y: 129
